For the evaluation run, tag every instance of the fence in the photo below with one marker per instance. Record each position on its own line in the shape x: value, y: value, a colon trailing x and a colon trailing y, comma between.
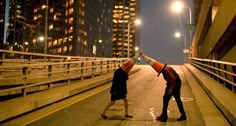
x: 23, y: 73
x: 223, y: 72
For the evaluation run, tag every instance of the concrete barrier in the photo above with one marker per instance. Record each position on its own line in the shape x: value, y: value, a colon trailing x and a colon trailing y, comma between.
x: 222, y: 97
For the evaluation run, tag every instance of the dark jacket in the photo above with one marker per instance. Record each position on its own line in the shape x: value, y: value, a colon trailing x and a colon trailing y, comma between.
x: 119, y: 85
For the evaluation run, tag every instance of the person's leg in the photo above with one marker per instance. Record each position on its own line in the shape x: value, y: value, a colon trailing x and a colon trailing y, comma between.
x: 106, y: 108
x: 177, y: 97
x: 166, y: 98
x: 126, y: 108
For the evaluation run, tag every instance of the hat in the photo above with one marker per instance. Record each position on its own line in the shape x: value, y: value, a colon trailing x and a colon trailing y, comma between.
x: 127, y: 66
x: 157, y: 66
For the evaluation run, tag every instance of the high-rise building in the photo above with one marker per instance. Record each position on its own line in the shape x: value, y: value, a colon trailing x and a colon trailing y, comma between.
x: 75, y: 27
x: 125, y: 12
x: 62, y: 27
x: 12, y: 23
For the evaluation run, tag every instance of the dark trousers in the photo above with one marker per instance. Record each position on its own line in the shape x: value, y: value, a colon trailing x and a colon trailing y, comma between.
x: 166, y: 99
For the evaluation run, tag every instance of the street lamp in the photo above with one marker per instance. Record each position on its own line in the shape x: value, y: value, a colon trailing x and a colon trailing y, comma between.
x: 177, y: 7
x: 136, y: 48
x: 40, y: 38
x: 46, y: 28
x: 137, y: 22
x: 178, y: 35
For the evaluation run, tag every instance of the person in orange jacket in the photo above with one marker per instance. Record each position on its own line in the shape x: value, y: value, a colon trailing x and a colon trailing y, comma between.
x: 173, y: 87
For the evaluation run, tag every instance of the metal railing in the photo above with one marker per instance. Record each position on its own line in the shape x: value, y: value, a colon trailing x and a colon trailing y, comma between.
x: 23, y: 73
x: 223, y: 72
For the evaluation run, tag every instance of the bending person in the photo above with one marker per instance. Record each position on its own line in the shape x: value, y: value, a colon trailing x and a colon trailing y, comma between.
x: 173, y: 87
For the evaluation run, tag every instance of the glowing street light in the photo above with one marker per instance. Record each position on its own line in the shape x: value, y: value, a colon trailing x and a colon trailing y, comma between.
x: 177, y: 7
x: 177, y: 34
x: 137, y: 22
x: 41, y: 38
x: 136, y: 48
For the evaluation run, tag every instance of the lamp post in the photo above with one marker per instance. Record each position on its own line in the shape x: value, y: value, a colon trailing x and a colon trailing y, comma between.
x: 41, y: 39
x: 177, y: 6
x: 137, y: 22
x: 46, y: 28
x: 178, y: 35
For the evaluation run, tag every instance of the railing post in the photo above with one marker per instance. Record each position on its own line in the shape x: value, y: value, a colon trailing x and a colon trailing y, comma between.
x: 68, y: 73
x: 77, y: 65
x: 224, y: 75
x: 82, y: 70
x: 234, y: 78
x: 50, y: 76
x: 101, y: 67
x: 108, y: 66
x: 1, y: 62
x: 93, y: 68
x: 25, y: 73
x: 114, y: 64
x: 29, y: 62
x: 65, y: 66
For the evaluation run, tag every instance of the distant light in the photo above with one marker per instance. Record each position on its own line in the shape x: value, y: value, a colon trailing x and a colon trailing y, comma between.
x: 177, y: 6
x: 136, y: 48
x: 68, y: 58
x: 139, y: 58
x: 100, y: 41
x: 26, y: 43
x: 41, y: 38
x: 177, y: 34
x: 137, y: 21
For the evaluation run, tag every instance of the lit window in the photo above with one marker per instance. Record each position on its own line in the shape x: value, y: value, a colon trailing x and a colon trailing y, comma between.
x: 55, y: 17
x: 65, y: 49
x: 70, y: 47
x: 51, y: 10
x: 71, y: 20
x: 70, y: 30
x: 35, y: 10
x: 49, y: 44
x: 71, y: 2
x: 35, y: 18
x: 60, y: 41
x: 44, y: 6
x: 71, y: 10
x: 59, y: 50
x: 55, y: 42
x: 51, y: 27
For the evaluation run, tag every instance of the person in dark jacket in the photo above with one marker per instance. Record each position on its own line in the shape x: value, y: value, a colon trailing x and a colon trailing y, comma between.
x: 119, y: 86
x: 118, y: 91
x: 173, y: 88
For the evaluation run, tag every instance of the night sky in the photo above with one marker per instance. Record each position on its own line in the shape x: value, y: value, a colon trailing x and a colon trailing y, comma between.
x: 158, y: 26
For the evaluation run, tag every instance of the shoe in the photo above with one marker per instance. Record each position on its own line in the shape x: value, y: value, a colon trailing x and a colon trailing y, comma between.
x: 182, y: 118
x: 104, y: 116
x: 128, y: 116
x: 161, y: 118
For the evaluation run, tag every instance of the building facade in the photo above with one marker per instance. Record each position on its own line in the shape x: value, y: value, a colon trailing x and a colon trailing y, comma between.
x: 125, y: 12
x: 62, y: 27
x: 214, y: 36
x: 12, y: 25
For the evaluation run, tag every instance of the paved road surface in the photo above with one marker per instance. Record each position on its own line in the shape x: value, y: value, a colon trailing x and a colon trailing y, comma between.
x: 145, y: 91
